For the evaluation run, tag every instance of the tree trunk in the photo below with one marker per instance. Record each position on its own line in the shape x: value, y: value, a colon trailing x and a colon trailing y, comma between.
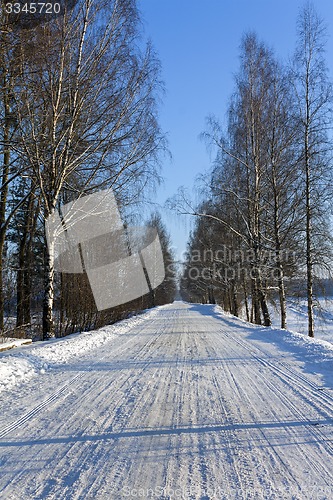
x: 282, y: 291
x: 48, y: 322
x: 264, y: 307
x: 20, y: 284
x: 279, y: 266
x: 234, y: 300
x: 2, y: 299
x: 4, y: 191
x: 309, y: 264
x: 23, y: 285
x: 25, y: 262
x: 246, y: 300
x: 255, y: 316
x: 283, y: 303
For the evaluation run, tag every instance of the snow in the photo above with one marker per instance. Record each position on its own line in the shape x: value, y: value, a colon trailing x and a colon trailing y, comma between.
x: 8, y: 343
x: 24, y: 364
x: 183, y: 402
x: 297, y: 318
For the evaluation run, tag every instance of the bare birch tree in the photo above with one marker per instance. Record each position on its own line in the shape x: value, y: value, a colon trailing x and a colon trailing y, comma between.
x: 253, y: 205
x: 87, y: 110
x: 313, y: 93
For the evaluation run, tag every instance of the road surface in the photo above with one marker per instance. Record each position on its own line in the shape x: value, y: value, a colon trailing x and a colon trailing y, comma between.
x: 186, y: 405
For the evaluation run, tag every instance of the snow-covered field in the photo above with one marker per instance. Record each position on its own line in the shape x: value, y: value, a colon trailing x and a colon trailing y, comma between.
x: 297, y: 317
x: 182, y: 402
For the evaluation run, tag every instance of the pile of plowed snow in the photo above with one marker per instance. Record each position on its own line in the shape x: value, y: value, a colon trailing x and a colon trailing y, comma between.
x: 23, y: 363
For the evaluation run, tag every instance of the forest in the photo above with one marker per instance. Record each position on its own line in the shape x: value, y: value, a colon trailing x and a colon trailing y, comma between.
x: 263, y: 226
x: 78, y: 114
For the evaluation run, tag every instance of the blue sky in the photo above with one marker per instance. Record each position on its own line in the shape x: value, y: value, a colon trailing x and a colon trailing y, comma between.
x: 198, y: 46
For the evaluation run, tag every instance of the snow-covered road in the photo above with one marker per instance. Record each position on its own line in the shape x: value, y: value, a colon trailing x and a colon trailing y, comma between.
x: 185, y: 404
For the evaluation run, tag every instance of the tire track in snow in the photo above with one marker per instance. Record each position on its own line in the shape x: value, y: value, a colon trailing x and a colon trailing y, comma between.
x: 293, y: 380
x: 54, y: 396
x: 245, y: 461
x: 118, y: 414
x: 62, y: 392
x: 69, y: 388
x: 320, y: 394
x: 193, y: 416
x: 253, y: 416
x: 256, y: 416
x: 283, y: 397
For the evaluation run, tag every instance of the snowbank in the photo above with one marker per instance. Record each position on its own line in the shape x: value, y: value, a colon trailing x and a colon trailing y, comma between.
x: 311, y: 352
x: 29, y: 361
x: 6, y: 344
